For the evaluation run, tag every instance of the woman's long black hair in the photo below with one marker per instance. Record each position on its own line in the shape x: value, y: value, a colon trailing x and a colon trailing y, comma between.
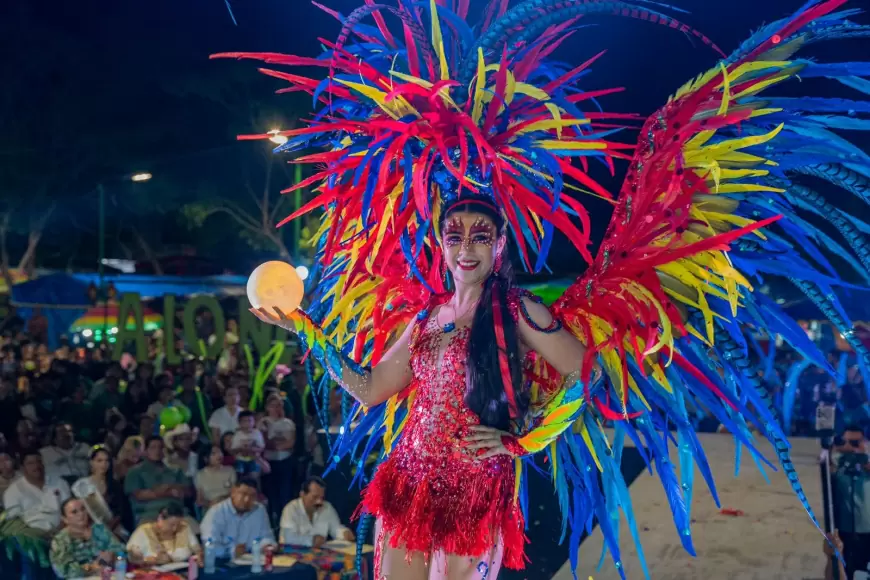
x: 485, y: 392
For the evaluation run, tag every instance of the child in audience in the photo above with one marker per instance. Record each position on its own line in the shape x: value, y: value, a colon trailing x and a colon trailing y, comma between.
x: 248, y: 446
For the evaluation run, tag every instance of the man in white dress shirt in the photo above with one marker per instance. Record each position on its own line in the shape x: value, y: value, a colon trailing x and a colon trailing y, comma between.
x: 35, y: 497
x: 310, y: 519
x: 240, y: 518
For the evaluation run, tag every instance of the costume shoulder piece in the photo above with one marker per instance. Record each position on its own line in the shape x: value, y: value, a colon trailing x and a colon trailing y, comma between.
x: 417, y: 107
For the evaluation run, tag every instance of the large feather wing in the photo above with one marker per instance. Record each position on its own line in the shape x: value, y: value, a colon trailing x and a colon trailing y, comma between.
x: 709, y: 207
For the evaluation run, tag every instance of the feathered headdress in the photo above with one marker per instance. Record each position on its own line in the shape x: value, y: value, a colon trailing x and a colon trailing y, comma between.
x: 408, y: 121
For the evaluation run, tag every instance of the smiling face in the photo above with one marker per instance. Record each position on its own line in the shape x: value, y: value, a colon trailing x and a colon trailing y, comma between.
x: 471, y: 243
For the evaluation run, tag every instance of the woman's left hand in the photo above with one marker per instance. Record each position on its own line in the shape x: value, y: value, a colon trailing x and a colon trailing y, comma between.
x: 488, y: 440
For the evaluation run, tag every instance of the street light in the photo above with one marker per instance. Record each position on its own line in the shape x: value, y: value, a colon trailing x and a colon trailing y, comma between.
x: 139, y: 177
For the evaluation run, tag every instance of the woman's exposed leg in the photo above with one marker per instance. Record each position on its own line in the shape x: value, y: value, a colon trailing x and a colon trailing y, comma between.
x: 393, y: 563
x: 452, y: 567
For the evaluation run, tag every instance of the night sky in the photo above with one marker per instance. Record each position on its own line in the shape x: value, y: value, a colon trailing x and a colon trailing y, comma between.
x: 133, y: 80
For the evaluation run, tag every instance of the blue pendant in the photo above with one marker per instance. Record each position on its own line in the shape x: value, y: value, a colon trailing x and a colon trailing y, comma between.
x: 449, y: 327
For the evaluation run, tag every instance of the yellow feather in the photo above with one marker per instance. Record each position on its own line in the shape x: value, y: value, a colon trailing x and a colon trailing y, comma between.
x: 726, y: 90
x: 378, y: 96
x: 552, y: 124
x: 389, y: 421
x: 742, y: 187
x: 438, y: 41
x: 569, y: 145
x: 666, y: 337
x: 411, y: 79
x: 584, y: 432
x: 708, y: 315
x: 479, y: 88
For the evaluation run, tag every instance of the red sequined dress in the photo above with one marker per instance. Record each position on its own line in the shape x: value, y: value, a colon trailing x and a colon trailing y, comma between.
x: 430, y: 494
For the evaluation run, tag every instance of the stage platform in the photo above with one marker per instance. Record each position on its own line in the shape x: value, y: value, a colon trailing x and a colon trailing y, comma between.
x: 773, y: 539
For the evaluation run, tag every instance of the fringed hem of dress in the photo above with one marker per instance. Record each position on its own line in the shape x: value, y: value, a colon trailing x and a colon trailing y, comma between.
x: 454, y: 511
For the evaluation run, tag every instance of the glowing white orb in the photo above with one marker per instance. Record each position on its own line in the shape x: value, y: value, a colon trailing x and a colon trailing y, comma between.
x: 275, y: 284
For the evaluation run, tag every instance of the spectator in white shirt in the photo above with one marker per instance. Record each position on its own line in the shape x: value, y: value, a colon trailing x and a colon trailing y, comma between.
x: 66, y: 458
x: 310, y: 520
x: 36, y: 497
x: 280, y: 434
x: 239, y: 520
x: 226, y: 418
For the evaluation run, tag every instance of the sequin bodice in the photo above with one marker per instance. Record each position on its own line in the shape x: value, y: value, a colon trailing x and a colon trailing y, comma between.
x: 439, y: 417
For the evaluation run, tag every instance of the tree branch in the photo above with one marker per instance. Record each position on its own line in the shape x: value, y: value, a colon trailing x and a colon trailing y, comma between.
x: 28, y: 260
x: 149, y: 253
x: 235, y: 212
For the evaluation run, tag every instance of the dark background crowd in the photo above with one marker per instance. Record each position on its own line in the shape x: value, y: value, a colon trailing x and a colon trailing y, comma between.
x: 77, y: 424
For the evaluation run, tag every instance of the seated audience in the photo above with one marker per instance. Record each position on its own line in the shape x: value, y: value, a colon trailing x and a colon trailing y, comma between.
x: 116, y: 432
x: 214, y: 480
x: 36, y: 497
x: 66, y: 457
x: 227, y: 417
x: 167, y: 539
x: 137, y: 399
x: 153, y: 486
x: 248, y: 446
x: 147, y: 426
x: 7, y: 473
x: 79, y: 412
x: 239, y: 518
x: 25, y: 437
x: 129, y: 456
x: 178, y: 454
x: 81, y: 548
x: 101, y: 494
x: 227, y: 448
x: 164, y: 397
x: 310, y: 520
x: 280, y: 434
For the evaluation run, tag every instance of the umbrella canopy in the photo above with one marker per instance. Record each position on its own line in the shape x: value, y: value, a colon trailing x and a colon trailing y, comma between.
x: 106, y: 316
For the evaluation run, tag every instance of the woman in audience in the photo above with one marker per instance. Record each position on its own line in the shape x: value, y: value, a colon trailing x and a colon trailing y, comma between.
x: 214, y: 480
x: 81, y: 548
x: 116, y: 431
x: 129, y: 456
x: 101, y: 494
x: 168, y: 539
x: 280, y: 435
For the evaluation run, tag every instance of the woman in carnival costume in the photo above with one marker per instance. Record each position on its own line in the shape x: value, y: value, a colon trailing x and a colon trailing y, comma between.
x: 438, y: 149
